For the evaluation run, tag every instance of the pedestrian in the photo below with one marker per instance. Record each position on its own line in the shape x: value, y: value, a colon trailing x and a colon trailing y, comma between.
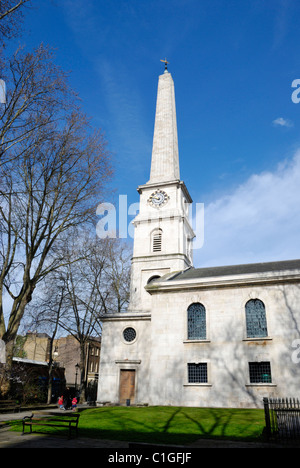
x: 74, y: 404
x: 67, y: 399
x: 61, y: 402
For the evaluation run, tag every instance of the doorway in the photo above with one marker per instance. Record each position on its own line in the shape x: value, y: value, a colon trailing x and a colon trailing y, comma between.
x: 127, y: 386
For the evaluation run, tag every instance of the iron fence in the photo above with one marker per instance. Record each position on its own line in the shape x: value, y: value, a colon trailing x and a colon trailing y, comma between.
x: 282, y: 416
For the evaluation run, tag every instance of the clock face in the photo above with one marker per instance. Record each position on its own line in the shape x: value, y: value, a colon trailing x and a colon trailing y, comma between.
x: 158, y: 198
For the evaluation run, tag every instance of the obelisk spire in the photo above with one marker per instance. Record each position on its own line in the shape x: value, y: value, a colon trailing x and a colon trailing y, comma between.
x: 165, y: 159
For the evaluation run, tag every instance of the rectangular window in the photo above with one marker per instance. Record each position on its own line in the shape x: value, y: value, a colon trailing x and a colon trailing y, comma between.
x: 197, y: 373
x: 260, y: 372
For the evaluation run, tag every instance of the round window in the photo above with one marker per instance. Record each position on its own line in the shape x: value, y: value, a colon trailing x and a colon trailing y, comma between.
x: 129, y: 334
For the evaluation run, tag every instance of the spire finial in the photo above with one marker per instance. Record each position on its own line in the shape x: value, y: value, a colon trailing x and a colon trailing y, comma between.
x: 166, y: 64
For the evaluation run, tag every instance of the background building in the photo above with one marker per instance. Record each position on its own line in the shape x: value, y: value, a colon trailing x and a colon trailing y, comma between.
x: 66, y: 352
x: 66, y: 355
x: 36, y: 346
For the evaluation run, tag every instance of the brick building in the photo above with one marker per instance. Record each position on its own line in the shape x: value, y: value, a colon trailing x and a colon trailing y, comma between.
x: 66, y: 354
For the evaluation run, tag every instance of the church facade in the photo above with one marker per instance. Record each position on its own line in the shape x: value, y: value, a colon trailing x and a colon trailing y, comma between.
x: 210, y: 337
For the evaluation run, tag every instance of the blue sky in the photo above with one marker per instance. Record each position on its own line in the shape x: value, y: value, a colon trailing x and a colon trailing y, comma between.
x: 233, y: 64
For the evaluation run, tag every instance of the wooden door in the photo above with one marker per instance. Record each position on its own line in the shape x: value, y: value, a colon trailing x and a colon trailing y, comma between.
x: 127, y: 386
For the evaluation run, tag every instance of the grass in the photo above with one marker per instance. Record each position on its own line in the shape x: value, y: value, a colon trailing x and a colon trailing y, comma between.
x: 168, y: 425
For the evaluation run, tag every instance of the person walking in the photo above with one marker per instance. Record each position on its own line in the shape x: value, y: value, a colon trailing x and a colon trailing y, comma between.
x: 61, y: 402
x: 67, y: 398
x: 74, y: 404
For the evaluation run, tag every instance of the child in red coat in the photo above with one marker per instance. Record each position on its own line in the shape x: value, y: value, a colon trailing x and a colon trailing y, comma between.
x: 61, y: 402
x: 74, y: 404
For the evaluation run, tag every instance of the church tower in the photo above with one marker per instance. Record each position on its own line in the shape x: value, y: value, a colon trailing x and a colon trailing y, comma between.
x: 163, y: 233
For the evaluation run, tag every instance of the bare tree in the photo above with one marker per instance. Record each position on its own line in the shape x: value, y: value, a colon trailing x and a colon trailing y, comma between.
x: 48, y: 190
x: 118, y: 274
x: 11, y: 16
x: 93, y: 281
x: 45, y: 314
x: 37, y: 96
x: 54, y: 169
x: 97, y: 282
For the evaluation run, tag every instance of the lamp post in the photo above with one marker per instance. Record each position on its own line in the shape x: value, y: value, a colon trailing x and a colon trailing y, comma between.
x: 77, y: 366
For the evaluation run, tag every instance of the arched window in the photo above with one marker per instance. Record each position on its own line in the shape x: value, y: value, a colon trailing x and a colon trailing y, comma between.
x: 196, y: 322
x: 153, y: 278
x: 256, y: 321
x: 156, y: 240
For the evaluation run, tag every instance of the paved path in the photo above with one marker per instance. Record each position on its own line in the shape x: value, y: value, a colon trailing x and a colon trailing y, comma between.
x: 11, y: 439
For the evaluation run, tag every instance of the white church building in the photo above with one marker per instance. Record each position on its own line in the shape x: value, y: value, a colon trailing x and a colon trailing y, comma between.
x: 208, y: 337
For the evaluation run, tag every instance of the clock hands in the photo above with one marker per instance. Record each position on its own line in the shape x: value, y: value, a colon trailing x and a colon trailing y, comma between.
x: 158, y: 198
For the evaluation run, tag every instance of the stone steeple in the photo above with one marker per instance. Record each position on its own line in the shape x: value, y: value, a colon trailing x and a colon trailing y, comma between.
x: 165, y: 159
x: 162, y: 230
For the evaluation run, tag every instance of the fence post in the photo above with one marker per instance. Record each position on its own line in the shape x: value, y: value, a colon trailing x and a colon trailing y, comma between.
x: 267, y: 417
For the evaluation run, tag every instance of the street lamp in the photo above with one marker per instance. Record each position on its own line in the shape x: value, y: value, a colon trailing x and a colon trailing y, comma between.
x: 77, y: 366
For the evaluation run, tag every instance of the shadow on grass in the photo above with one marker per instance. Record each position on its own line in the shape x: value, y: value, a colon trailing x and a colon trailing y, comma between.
x: 168, y: 425
x: 171, y: 425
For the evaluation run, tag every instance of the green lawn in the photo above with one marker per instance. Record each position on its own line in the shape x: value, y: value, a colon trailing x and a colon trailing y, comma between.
x: 168, y: 425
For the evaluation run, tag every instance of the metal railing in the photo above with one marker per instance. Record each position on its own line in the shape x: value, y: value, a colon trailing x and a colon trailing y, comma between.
x: 282, y: 416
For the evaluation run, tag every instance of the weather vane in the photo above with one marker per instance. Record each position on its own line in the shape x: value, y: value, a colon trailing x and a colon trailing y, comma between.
x: 166, y: 63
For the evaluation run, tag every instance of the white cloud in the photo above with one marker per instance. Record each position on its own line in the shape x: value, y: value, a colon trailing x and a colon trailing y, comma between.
x: 280, y: 121
x: 258, y: 222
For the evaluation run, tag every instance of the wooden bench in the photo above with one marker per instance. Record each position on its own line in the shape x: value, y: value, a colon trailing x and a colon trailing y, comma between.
x: 9, y: 405
x: 53, y: 419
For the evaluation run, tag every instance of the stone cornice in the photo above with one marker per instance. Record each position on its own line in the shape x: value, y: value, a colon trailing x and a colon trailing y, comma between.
x: 126, y: 316
x: 223, y: 282
x: 179, y: 183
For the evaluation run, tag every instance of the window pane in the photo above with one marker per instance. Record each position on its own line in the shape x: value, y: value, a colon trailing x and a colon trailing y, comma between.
x: 197, y: 373
x: 256, y: 319
x: 196, y: 322
x: 129, y: 334
x: 260, y: 372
